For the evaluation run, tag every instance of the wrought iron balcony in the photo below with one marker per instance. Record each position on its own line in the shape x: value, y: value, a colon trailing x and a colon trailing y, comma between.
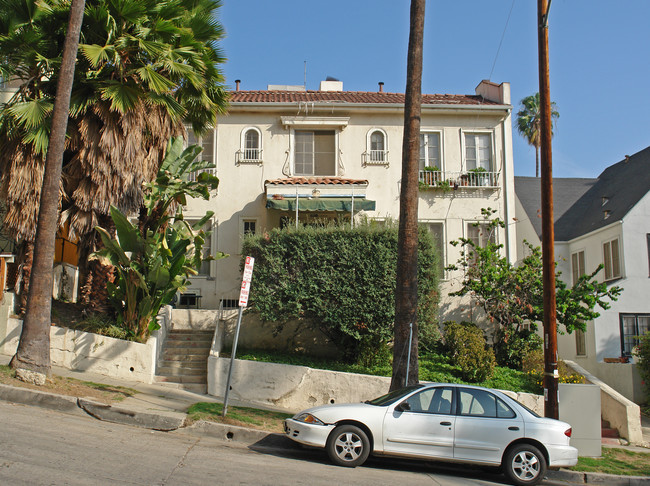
x: 459, y: 179
x: 249, y: 156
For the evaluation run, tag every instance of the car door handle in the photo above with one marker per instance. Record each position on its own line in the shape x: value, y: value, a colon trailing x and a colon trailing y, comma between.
x: 513, y: 428
x: 446, y: 424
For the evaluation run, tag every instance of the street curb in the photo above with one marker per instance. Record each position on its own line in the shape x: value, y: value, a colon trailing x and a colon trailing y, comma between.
x: 578, y: 477
x: 27, y: 396
x: 109, y: 413
x: 232, y: 433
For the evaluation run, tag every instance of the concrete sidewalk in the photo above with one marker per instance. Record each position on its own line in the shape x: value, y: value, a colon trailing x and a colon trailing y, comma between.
x: 162, y: 407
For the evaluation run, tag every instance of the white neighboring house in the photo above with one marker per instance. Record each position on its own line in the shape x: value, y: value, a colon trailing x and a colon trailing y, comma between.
x: 286, y: 152
x: 601, y: 221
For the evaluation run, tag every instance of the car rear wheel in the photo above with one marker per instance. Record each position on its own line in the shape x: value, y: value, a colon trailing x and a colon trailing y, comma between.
x: 348, y: 446
x: 524, y: 465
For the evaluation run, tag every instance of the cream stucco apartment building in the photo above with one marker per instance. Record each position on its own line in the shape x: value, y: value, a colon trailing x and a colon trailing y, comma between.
x: 286, y: 152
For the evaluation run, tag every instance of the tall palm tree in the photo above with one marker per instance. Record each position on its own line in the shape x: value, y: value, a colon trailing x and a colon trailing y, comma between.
x: 406, y: 292
x: 32, y: 358
x: 145, y: 67
x: 529, y: 118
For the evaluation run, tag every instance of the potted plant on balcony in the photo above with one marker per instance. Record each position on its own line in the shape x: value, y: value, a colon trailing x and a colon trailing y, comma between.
x: 479, y: 177
x: 446, y: 186
x: 431, y: 175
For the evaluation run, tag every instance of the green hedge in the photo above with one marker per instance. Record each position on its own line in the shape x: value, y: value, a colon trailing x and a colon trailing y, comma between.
x: 341, y: 280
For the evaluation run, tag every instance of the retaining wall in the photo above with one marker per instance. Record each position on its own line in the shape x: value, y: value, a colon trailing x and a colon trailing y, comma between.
x: 294, y: 388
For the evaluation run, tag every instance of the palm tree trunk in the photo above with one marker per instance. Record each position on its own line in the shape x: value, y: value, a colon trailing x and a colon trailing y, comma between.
x: 406, y: 293
x: 32, y: 359
x: 536, y: 161
x: 27, y: 256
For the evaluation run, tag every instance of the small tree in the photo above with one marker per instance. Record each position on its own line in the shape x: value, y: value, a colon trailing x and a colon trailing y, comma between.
x: 512, y: 295
x: 154, y: 258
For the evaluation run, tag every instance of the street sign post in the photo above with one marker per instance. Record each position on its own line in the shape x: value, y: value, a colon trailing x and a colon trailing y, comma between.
x: 243, y: 302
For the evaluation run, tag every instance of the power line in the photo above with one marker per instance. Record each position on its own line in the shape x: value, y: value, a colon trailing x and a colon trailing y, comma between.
x: 501, y: 41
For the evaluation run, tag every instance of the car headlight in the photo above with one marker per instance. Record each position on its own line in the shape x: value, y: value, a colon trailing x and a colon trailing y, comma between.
x: 308, y: 419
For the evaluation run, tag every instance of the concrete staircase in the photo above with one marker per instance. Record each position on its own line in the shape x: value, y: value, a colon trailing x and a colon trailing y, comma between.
x: 609, y: 435
x: 184, y: 359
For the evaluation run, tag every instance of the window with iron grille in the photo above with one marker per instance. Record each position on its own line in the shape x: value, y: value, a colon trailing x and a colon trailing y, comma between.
x: 251, y: 149
x: 633, y: 326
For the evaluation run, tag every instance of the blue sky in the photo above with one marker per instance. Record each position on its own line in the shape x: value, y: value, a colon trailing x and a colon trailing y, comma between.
x: 599, y: 60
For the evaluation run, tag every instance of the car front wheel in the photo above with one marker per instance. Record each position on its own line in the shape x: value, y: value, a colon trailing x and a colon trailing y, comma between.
x: 524, y: 465
x: 348, y: 446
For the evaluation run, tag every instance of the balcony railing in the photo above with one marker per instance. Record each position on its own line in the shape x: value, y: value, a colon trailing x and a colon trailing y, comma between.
x: 193, y: 176
x: 459, y: 179
x: 249, y: 156
x: 375, y: 157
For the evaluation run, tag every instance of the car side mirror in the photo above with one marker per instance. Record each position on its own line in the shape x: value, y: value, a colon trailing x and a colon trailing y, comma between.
x: 403, y: 407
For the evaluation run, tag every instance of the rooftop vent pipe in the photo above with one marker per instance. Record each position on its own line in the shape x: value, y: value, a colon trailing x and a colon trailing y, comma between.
x: 381, y: 86
x: 237, y: 81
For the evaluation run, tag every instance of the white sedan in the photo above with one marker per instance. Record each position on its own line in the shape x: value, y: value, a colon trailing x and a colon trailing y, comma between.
x: 458, y: 423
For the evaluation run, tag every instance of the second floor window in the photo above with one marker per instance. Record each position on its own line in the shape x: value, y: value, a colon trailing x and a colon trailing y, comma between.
x: 315, y: 153
x: 206, y: 142
x: 577, y: 265
x: 252, y: 145
x: 429, y: 150
x: 377, y: 146
x: 478, y: 151
x: 611, y: 259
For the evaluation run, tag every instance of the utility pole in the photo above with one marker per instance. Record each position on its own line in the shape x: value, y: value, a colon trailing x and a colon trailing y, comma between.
x: 551, y: 377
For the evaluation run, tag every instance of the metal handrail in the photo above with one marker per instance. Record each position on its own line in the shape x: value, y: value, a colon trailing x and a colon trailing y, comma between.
x: 459, y: 179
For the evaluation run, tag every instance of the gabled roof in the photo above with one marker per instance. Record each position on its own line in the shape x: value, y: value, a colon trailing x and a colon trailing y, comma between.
x: 580, y: 205
x: 566, y: 191
x: 619, y: 188
x: 352, y: 97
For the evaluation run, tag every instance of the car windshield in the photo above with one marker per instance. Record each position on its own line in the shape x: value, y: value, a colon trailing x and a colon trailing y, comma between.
x: 393, y: 396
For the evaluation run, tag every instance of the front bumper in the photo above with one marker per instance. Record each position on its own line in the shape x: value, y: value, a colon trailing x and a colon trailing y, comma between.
x: 307, y: 434
x: 562, y: 456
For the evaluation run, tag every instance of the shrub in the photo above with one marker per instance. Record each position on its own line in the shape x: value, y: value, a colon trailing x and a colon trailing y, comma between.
x: 466, y: 347
x: 533, y: 366
x: 642, y: 355
x: 512, y: 345
x: 340, y: 280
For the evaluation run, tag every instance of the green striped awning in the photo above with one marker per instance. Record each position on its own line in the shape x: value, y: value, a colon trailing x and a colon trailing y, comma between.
x: 322, y: 204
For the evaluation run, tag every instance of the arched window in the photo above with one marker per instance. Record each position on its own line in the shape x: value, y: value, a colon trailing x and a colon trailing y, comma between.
x: 251, y: 146
x: 377, y: 148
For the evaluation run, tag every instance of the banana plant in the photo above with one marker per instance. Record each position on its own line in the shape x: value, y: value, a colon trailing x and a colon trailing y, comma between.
x: 154, y: 258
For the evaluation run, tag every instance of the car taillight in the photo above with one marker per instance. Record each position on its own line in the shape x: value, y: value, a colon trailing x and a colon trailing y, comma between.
x: 567, y: 432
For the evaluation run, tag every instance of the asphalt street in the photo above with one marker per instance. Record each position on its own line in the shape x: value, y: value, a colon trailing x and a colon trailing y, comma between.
x: 45, y: 447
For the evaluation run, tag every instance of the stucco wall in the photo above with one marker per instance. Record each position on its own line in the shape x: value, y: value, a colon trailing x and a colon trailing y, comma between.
x: 77, y: 350
x: 294, y: 388
x: 246, y: 199
x: 295, y: 337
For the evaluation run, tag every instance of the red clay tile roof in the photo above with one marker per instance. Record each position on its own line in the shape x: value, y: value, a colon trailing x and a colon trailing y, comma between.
x: 359, y: 97
x: 315, y: 180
